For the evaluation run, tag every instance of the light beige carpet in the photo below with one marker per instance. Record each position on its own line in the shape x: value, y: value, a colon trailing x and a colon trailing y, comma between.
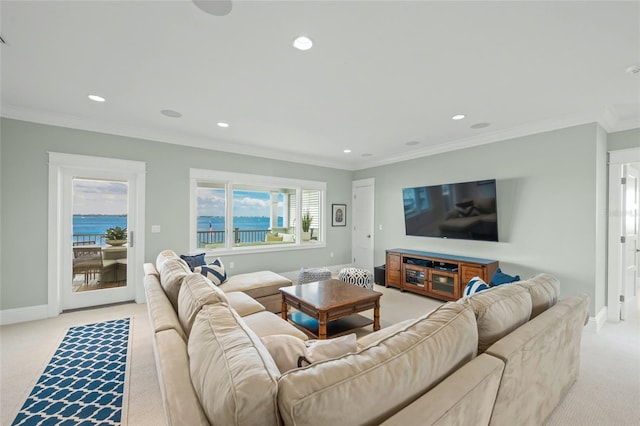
x: 607, y: 392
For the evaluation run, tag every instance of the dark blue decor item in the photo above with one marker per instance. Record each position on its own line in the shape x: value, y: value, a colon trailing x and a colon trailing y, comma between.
x: 84, y: 380
x: 194, y: 261
x: 500, y: 277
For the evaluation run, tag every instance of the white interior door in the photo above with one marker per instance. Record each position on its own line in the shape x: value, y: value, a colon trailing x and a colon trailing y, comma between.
x: 630, y: 245
x: 363, y: 224
x: 102, y: 188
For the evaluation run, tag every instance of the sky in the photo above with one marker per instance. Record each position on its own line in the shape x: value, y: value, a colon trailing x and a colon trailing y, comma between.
x: 99, y: 197
x: 245, y: 203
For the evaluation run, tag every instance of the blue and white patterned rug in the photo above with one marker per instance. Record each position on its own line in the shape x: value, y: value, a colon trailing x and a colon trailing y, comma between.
x: 84, y: 381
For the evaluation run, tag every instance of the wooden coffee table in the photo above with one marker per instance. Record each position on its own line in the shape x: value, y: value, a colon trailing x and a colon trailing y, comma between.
x: 329, y: 308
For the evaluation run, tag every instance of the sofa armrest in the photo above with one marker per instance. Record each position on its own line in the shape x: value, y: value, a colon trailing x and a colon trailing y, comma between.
x: 542, y: 361
x: 466, y: 397
x: 150, y: 269
x: 181, y: 404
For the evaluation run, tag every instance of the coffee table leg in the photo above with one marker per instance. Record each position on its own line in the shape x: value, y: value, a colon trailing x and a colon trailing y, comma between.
x: 322, y: 326
x: 283, y: 312
x: 376, y: 317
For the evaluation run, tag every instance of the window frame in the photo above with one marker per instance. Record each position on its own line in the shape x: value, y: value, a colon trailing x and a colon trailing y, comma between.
x: 229, y: 179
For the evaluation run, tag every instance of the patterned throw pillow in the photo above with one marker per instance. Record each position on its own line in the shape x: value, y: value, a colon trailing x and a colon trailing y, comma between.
x: 214, y: 271
x: 475, y: 285
x: 194, y: 261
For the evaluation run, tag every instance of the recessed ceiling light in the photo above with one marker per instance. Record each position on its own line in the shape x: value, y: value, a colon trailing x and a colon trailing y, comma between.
x: 633, y: 69
x: 412, y: 143
x: 347, y: 151
x: 217, y: 8
x: 480, y: 125
x: 171, y: 113
x: 302, y: 43
x: 222, y: 124
x: 96, y: 98
x: 458, y: 117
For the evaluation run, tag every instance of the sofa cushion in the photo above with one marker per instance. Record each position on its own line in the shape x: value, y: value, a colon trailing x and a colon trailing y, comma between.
x: 544, y: 290
x: 243, y: 304
x: 162, y: 314
x: 267, y: 323
x: 165, y: 255
x: 195, y: 292
x: 498, y: 311
x: 256, y: 284
x: 290, y: 352
x: 172, y: 272
x: 232, y: 373
x: 385, y: 377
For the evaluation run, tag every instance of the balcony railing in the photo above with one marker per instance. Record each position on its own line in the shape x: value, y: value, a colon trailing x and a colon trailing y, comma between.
x: 240, y: 236
x: 88, y: 239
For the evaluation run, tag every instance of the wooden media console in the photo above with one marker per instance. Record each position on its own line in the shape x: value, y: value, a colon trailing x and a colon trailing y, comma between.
x: 437, y: 275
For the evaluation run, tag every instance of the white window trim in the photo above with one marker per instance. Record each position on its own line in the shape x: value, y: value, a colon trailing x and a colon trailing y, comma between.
x: 231, y: 178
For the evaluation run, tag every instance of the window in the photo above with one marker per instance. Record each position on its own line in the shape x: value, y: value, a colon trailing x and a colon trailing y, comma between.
x: 242, y: 212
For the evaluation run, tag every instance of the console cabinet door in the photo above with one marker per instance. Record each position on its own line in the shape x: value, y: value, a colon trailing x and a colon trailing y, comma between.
x: 393, y: 270
x: 444, y: 284
x: 469, y: 271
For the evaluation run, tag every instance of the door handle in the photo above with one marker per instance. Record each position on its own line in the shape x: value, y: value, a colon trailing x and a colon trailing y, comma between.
x: 130, y: 238
x: 369, y: 236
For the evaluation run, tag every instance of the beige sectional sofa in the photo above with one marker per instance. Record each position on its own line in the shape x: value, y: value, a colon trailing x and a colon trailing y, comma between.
x: 504, y: 356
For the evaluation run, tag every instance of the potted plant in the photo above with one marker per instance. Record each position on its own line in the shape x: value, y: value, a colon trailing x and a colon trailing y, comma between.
x: 306, y: 224
x: 116, y: 236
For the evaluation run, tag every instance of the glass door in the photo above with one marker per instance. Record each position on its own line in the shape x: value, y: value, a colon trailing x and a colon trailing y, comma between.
x: 96, y: 207
x: 99, y: 237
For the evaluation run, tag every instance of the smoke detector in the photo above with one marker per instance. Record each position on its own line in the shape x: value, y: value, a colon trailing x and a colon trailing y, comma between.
x: 633, y: 69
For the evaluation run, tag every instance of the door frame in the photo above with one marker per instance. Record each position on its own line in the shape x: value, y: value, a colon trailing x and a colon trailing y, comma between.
x: 360, y: 183
x: 58, y: 273
x: 617, y: 159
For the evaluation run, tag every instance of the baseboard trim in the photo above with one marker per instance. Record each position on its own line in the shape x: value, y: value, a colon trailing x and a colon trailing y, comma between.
x: 30, y: 313
x: 595, y: 323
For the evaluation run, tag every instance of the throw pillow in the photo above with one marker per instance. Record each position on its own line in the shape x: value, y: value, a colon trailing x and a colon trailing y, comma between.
x: 214, y: 271
x: 475, y: 285
x: 290, y: 352
x: 500, y: 277
x: 195, y: 260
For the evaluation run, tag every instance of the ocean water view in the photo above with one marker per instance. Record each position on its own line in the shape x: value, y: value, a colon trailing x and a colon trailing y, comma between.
x: 97, y: 224
x: 242, y: 222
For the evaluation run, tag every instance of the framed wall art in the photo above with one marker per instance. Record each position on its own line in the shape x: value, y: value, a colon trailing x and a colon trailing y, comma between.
x: 338, y: 215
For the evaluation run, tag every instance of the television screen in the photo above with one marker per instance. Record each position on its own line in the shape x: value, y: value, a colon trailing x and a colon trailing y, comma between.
x: 464, y: 210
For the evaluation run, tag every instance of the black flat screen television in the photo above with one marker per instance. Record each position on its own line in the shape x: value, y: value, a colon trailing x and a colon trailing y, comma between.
x: 465, y: 210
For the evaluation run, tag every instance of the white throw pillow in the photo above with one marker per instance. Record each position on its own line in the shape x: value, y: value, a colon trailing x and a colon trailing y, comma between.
x: 290, y: 352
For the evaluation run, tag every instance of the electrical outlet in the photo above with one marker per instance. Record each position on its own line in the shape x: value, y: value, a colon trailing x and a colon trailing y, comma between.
x: 232, y: 265
x: 331, y: 254
x: 155, y: 228
x: 380, y: 227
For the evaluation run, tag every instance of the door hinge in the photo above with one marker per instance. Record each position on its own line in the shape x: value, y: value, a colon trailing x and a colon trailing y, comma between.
x: 623, y: 239
x: 622, y: 298
x: 623, y: 181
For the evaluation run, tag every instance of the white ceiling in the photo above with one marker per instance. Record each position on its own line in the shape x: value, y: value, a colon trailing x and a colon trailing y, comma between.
x: 380, y: 74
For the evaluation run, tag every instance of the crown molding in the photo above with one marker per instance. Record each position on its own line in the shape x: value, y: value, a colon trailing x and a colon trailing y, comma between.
x: 608, y: 119
x: 164, y: 136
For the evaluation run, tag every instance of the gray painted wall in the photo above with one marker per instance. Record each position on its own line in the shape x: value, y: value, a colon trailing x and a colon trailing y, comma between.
x: 551, y: 195
x: 624, y: 140
x: 24, y: 180
x: 550, y: 205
